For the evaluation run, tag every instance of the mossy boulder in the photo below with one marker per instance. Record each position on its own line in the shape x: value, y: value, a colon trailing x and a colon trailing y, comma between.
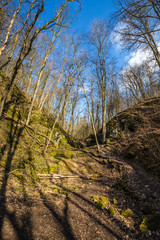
x: 127, y: 213
x: 144, y: 226
x: 151, y: 222
x: 104, y: 200
x: 100, y: 204
x: 94, y: 198
x: 111, y: 211
x: 115, y: 202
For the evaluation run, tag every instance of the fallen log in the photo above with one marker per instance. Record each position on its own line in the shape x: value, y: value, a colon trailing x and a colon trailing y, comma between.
x: 57, y: 176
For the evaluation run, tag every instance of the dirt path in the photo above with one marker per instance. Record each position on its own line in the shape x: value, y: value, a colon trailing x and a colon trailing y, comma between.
x: 67, y: 208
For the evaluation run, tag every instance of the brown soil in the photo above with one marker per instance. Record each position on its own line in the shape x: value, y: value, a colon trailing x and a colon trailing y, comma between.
x: 61, y: 208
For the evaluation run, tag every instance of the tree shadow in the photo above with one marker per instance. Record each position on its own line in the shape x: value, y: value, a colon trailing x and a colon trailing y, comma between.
x: 98, y: 158
x: 94, y: 217
x: 62, y: 220
x: 23, y: 230
x: 23, y: 225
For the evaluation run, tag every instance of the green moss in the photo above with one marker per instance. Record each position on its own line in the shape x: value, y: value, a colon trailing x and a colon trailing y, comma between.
x: 44, y: 170
x: 127, y: 213
x: 25, y: 195
x: 2, y: 164
x: 111, y: 211
x: 94, y: 198
x: 104, y: 200
x: 19, y: 176
x: 144, y: 226
x: 68, y: 155
x: 35, y: 176
x: 44, y: 183
x: 100, y: 204
x: 73, y: 187
x: 35, y: 117
x: 108, y: 141
x: 56, y: 190
x: 53, y: 169
x: 115, y: 202
x: 62, y: 154
x: 97, y: 175
x: 64, y: 143
x: 18, y: 189
x: 2, y: 74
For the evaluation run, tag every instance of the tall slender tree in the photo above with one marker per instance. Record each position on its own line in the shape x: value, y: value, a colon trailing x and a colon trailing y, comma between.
x: 98, y: 38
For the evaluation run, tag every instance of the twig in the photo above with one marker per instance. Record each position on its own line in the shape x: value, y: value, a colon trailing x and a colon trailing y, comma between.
x: 40, y: 143
x: 6, y: 116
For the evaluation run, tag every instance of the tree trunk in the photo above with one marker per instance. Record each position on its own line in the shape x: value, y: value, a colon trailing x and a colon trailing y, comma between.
x: 104, y: 109
x: 10, y: 27
x: 55, y: 121
x: 90, y: 112
x: 41, y: 73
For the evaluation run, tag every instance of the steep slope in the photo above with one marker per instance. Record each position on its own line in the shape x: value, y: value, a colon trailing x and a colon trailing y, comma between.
x: 134, y: 134
x: 22, y: 147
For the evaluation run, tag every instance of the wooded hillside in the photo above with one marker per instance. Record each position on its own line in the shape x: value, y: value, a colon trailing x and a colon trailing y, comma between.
x: 79, y: 125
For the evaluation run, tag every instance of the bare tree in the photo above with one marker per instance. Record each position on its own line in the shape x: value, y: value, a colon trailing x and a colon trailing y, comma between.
x: 48, y: 52
x: 74, y: 100
x: 69, y: 75
x: 98, y: 39
x: 31, y: 33
x: 140, y: 24
x: 114, y: 98
x: 80, y: 66
x: 10, y: 28
x: 141, y: 81
x: 55, y: 121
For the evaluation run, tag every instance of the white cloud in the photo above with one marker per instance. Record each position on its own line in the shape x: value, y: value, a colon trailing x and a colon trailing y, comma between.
x: 86, y: 87
x: 116, y: 38
x: 139, y: 56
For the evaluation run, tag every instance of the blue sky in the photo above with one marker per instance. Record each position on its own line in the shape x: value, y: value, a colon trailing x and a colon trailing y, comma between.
x: 96, y: 9
x: 92, y: 9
